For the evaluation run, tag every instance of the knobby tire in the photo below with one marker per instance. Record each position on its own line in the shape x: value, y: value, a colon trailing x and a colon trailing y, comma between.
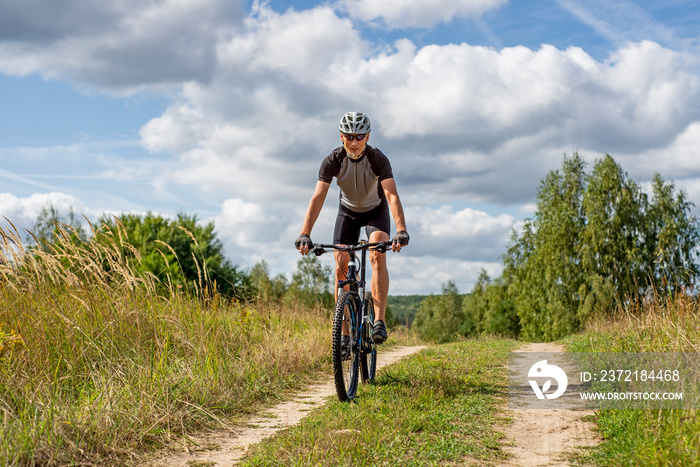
x: 368, y: 357
x: 346, y: 371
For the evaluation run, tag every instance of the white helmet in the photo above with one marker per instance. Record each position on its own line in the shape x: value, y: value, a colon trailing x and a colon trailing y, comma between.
x: 354, y: 123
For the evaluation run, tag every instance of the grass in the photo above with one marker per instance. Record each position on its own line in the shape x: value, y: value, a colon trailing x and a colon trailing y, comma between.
x: 436, y: 408
x: 646, y: 437
x: 96, y: 367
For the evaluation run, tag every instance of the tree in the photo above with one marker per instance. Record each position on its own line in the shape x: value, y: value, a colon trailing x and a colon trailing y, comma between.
x: 489, y: 310
x: 424, y: 322
x: 50, y: 222
x: 674, y: 234
x: 181, y: 253
x: 439, y: 317
x: 595, y: 243
x: 311, y: 283
x: 614, y: 239
x: 279, y: 286
x: 260, y: 280
x: 311, y: 276
x: 542, y: 267
x: 476, y: 306
x: 264, y: 287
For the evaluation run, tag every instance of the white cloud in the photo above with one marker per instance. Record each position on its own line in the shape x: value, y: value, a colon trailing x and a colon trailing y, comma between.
x: 23, y: 212
x: 445, y: 243
x: 677, y: 160
x: 528, y: 209
x: 456, y: 120
x: 416, y: 13
x: 122, y: 47
x: 264, y: 114
x: 286, y: 42
x: 252, y: 225
x: 251, y: 232
x: 487, y: 96
x: 468, y: 234
x: 426, y: 274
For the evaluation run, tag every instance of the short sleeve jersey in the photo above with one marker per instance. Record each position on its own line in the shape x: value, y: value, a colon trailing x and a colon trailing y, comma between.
x: 359, y: 180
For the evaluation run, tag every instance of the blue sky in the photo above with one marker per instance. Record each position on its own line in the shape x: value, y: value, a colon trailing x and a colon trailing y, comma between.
x: 225, y: 109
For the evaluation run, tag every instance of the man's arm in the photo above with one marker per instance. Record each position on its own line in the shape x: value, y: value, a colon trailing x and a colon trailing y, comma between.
x: 392, y: 197
x: 314, y: 209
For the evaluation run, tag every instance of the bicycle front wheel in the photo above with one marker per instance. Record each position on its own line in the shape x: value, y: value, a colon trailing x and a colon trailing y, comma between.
x: 368, y: 357
x: 346, y: 362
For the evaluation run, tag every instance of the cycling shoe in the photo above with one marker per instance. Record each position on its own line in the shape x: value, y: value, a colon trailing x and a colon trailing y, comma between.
x: 379, y: 334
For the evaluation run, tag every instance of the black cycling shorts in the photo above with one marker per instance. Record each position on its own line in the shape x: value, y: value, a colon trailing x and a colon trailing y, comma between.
x: 348, y: 223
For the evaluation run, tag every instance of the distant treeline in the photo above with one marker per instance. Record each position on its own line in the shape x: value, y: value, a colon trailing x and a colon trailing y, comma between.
x: 598, y: 241
x: 404, y: 308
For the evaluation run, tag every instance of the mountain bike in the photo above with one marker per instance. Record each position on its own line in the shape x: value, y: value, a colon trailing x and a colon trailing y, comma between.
x: 355, y: 309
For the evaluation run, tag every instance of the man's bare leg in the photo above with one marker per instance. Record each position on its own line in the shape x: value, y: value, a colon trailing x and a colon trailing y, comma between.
x: 380, y: 276
x: 341, y: 266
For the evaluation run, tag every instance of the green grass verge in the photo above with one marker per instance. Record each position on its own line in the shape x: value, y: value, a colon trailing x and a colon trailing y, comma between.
x: 437, y: 407
x: 635, y: 437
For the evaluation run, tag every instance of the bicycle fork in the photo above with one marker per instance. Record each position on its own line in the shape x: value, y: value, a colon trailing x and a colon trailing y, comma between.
x: 363, y: 340
x: 366, y: 329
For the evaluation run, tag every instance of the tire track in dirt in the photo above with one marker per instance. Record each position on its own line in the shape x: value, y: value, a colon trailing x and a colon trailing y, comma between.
x: 226, y: 447
x: 544, y: 437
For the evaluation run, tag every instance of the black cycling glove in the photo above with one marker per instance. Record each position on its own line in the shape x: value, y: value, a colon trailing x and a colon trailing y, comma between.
x: 401, y: 238
x: 303, y: 240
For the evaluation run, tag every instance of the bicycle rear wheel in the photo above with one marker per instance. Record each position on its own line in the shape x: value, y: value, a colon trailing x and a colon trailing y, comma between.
x: 368, y: 357
x: 346, y: 367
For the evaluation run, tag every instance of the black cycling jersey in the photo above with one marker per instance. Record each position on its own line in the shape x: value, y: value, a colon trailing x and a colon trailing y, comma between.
x: 359, y: 180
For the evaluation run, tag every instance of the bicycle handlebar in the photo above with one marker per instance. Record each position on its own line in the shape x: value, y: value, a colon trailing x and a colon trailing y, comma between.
x: 320, y: 248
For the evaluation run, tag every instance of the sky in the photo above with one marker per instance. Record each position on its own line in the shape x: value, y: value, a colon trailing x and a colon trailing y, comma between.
x: 224, y: 109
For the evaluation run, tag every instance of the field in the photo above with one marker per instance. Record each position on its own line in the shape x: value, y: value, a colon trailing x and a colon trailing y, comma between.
x: 98, y: 368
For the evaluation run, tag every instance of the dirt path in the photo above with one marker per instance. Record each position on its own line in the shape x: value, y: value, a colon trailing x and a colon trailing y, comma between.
x: 225, y: 448
x: 542, y: 437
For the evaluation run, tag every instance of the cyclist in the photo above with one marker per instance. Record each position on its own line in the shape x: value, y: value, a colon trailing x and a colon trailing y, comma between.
x: 367, y: 193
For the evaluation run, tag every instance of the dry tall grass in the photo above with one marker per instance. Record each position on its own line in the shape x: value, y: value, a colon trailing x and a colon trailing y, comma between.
x: 96, y: 367
x: 664, y: 324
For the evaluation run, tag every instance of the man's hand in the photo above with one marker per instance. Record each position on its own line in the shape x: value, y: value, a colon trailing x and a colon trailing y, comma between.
x: 303, y: 244
x: 400, y: 240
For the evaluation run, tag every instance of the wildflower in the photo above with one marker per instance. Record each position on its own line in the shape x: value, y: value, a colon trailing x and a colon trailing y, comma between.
x: 10, y: 342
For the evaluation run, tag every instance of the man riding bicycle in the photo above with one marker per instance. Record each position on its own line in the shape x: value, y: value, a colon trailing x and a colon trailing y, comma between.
x: 367, y: 193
